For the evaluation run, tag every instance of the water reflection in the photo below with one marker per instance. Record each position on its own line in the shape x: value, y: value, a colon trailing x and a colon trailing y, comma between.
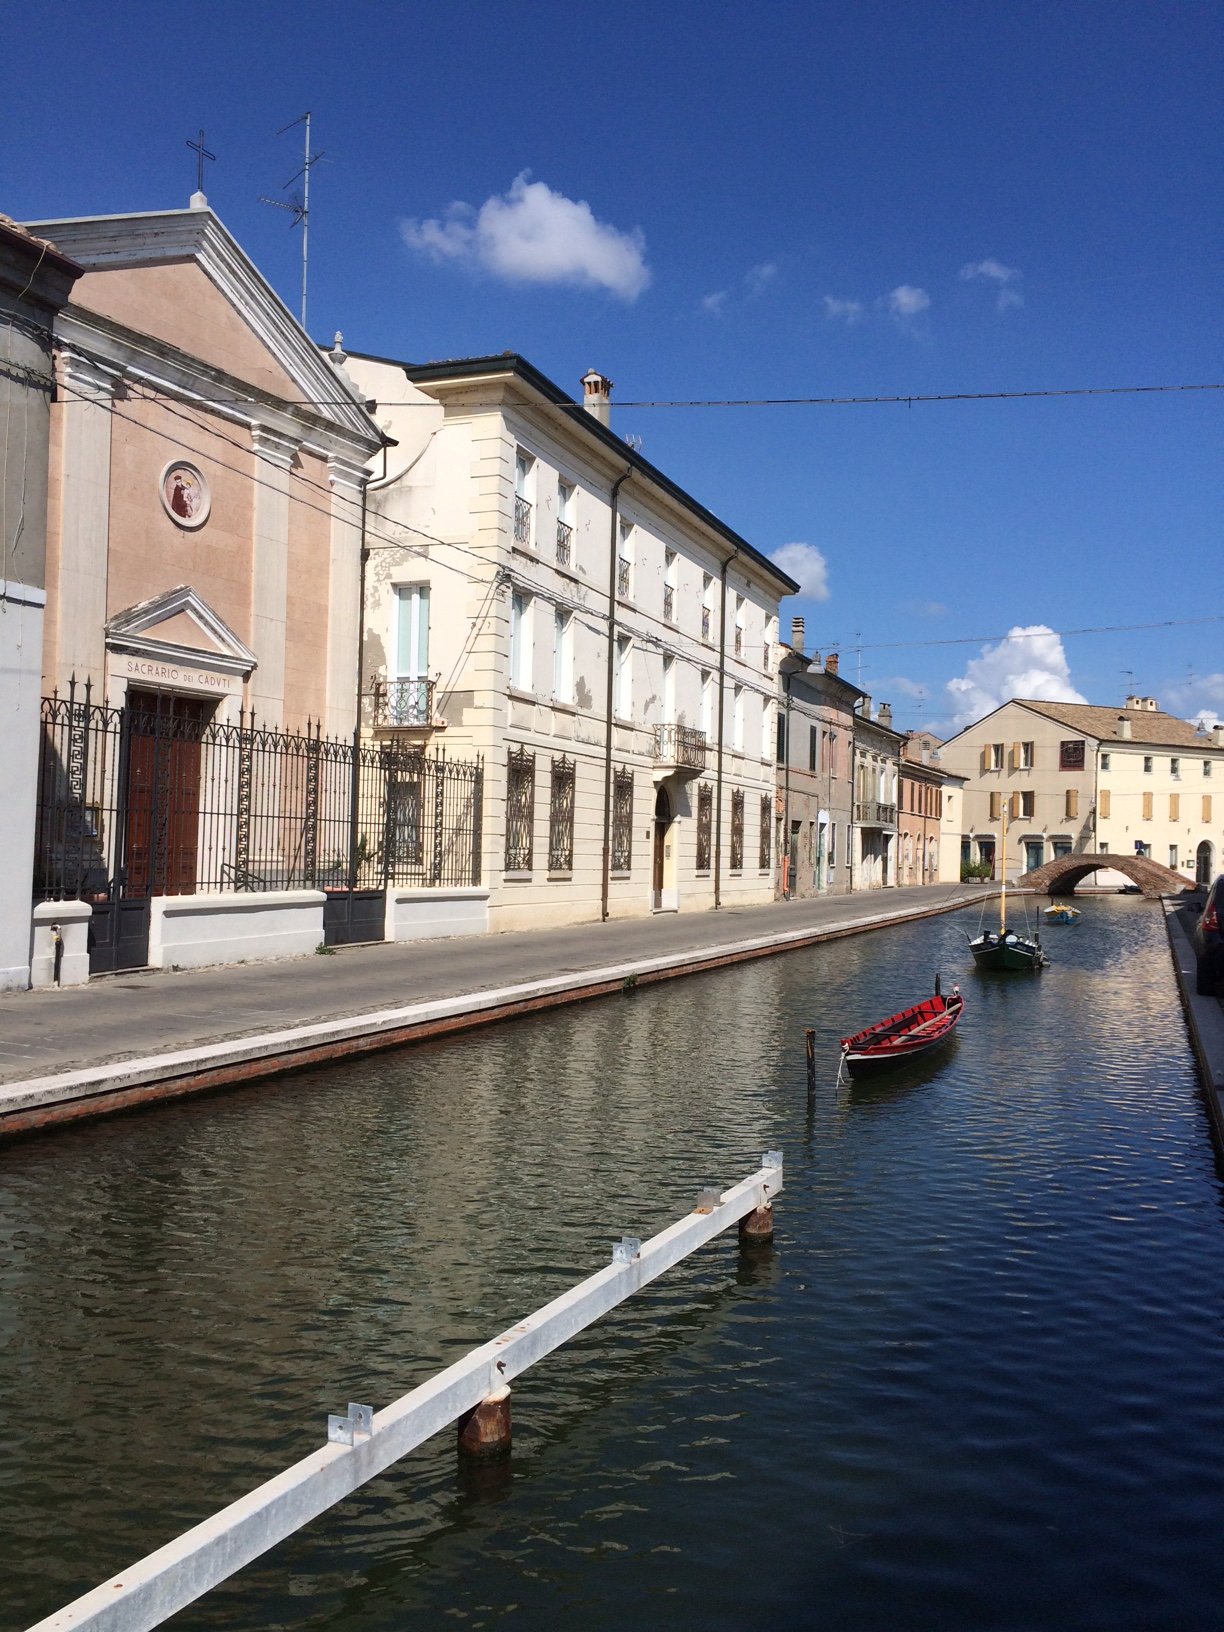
x: 977, y: 1369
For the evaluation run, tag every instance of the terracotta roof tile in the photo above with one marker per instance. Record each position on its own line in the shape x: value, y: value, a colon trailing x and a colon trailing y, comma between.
x: 1155, y: 728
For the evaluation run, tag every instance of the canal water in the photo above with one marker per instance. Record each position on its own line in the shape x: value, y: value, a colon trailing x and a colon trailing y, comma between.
x: 977, y: 1383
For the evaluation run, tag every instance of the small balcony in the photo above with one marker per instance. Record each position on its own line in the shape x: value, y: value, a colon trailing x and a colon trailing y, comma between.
x: 870, y: 813
x: 522, y: 521
x: 679, y: 750
x: 622, y: 578
x: 404, y: 705
x: 565, y: 544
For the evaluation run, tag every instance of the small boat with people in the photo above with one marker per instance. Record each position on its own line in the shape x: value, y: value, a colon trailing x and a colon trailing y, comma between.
x: 1059, y: 912
x: 1005, y: 948
x: 904, y: 1035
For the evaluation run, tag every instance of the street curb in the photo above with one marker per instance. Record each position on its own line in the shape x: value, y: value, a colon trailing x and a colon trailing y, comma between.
x: 1204, y: 1018
x: 42, y: 1102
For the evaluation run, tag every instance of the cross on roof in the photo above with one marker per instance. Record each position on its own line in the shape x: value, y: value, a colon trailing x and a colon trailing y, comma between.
x: 201, y: 153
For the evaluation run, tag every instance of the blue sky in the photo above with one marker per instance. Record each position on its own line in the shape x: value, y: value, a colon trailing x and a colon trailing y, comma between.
x: 715, y: 201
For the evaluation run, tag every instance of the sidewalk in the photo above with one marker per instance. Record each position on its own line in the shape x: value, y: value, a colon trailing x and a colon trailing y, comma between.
x: 128, y: 1039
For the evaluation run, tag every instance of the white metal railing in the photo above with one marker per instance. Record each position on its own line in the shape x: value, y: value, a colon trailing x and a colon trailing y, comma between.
x: 363, y: 1443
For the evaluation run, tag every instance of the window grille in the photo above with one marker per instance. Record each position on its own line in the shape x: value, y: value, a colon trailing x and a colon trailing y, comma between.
x: 561, y: 816
x: 520, y: 809
x: 669, y: 604
x: 766, y: 818
x: 622, y: 578
x: 522, y: 520
x: 622, y: 821
x: 737, y: 830
x: 705, y: 623
x: 565, y: 535
x: 739, y: 642
x: 705, y: 824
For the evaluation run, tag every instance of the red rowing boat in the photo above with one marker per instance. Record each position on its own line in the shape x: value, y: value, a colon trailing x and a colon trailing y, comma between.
x: 904, y: 1035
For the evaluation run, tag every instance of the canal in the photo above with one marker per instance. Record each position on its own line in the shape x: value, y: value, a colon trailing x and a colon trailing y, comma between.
x: 977, y: 1383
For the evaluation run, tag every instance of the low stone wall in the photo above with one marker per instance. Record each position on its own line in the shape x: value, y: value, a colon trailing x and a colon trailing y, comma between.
x: 425, y: 915
x: 190, y: 931
x: 62, y: 925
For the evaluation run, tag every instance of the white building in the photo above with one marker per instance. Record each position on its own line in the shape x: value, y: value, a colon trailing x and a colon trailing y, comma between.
x: 877, y: 752
x: 539, y: 594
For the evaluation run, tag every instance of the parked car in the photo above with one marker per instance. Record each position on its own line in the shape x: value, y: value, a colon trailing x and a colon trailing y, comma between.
x: 1207, y: 938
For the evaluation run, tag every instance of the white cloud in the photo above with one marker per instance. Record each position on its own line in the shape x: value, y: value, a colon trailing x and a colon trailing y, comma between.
x: 758, y: 278
x: 1029, y: 662
x: 715, y: 302
x: 905, y: 301
x: 898, y: 684
x: 807, y: 566
x: 532, y: 234
x: 848, y: 312
x: 1005, y: 279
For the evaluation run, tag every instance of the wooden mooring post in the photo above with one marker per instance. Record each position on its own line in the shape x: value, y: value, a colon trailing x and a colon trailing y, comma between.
x: 809, y: 1045
x: 365, y: 1442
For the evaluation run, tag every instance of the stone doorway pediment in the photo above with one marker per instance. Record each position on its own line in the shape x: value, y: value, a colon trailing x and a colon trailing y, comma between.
x: 179, y: 627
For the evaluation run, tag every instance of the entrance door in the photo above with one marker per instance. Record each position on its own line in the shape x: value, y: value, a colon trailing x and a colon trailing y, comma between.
x: 163, y: 792
x: 1202, y: 864
x: 1034, y: 851
x: 663, y: 816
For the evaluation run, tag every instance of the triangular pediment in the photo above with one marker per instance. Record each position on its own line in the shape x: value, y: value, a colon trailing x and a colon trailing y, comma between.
x: 179, y: 276
x: 179, y: 627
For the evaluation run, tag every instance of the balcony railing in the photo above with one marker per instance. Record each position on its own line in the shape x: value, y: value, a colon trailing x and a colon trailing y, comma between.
x: 403, y: 703
x: 622, y: 577
x: 565, y: 543
x: 705, y: 623
x: 870, y: 813
x: 739, y: 643
x: 522, y: 520
x: 669, y: 604
x: 680, y: 747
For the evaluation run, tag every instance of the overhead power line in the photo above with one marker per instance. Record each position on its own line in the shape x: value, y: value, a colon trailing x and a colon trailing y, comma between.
x: 1025, y: 634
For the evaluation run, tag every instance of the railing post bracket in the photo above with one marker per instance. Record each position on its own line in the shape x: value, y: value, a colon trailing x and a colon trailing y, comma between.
x: 345, y: 1430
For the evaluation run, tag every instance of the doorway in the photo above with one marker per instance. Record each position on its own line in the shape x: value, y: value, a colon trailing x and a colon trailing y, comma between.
x: 662, y: 826
x: 1202, y: 864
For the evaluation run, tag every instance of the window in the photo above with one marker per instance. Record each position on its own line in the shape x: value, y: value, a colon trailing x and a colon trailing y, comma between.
x: 622, y: 821
x: 409, y: 703
x: 405, y: 838
x: 707, y: 606
x: 996, y: 756
x: 996, y: 806
x: 624, y: 563
x: 1104, y: 762
x: 737, y: 719
x: 1026, y: 805
x: 1026, y: 756
x: 832, y: 845
x: 707, y: 705
x: 1174, y: 807
x: 833, y: 753
x: 1207, y: 807
x: 705, y: 824
x: 1103, y: 804
x: 1175, y: 769
x: 520, y: 809
x: 737, y: 830
x: 1147, y: 764
x: 565, y: 524
x: 766, y: 727
x: 624, y: 677
x: 1173, y: 856
x: 740, y: 604
x: 669, y: 586
x: 813, y: 746
x: 1147, y: 807
x: 521, y: 655
x: 781, y: 738
x: 524, y: 490
x: 561, y: 816
x: 1071, y: 810
x: 766, y: 819
x: 1206, y: 767
x: 1071, y: 755
x: 563, y: 655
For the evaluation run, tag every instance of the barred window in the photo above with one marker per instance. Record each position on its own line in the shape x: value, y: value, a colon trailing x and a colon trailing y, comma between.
x: 737, y: 830
x: 405, y: 847
x: 766, y: 818
x: 520, y: 809
x: 705, y: 823
x: 561, y: 817
x: 622, y: 821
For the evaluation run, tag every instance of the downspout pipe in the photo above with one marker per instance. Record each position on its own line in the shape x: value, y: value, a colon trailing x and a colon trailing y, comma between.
x: 607, y: 810
x: 789, y: 891
x: 722, y: 689
x: 355, y: 778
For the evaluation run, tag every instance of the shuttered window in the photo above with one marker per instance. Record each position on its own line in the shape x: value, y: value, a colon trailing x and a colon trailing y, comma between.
x: 1147, y: 807
x: 996, y: 806
x: 1206, y: 807
x: 1072, y: 806
x: 1104, y: 804
x: 1174, y: 806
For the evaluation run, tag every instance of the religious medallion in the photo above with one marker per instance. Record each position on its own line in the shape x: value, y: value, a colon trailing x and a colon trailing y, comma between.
x: 185, y: 494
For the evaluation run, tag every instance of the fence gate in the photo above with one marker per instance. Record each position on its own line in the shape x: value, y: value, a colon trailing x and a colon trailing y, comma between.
x: 354, y: 916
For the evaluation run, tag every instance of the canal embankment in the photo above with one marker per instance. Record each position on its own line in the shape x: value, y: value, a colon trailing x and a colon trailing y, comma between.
x: 1204, y: 1015
x: 132, y: 1040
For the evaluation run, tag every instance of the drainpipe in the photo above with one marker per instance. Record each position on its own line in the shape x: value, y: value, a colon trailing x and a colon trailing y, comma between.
x: 355, y: 779
x: 722, y: 687
x: 607, y: 810
x: 786, y: 739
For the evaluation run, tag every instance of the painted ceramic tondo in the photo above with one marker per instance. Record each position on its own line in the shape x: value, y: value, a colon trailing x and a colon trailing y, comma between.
x: 184, y: 492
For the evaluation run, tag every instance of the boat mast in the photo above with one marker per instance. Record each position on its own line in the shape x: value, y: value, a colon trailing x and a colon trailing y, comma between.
x: 1003, y: 896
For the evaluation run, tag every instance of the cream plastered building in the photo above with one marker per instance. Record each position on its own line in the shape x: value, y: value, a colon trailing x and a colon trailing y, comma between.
x: 540, y: 595
x: 815, y: 805
x: 1077, y: 777
x: 204, y: 510
x: 874, y: 839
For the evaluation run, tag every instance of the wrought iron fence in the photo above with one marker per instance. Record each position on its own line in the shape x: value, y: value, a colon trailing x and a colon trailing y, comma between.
x: 136, y: 803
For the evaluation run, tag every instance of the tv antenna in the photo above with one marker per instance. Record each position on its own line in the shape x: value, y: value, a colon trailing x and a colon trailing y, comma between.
x: 298, y: 204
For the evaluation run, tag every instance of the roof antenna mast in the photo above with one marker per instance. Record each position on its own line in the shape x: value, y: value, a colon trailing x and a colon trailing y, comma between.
x: 298, y: 204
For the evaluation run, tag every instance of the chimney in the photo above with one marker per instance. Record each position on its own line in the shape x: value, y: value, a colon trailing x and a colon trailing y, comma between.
x: 597, y: 395
x: 1124, y: 726
x: 798, y: 634
x: 831, y: 663
x: 1217, y: 735
x: 885, y: 715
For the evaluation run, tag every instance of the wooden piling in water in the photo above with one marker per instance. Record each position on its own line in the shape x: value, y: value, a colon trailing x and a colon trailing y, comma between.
x: 756, y: 1227
x: 484, y: 1431
x: 809, y: 1044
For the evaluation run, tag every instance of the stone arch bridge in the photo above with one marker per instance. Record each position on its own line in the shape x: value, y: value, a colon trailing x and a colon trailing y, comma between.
x: 1060, y: 876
